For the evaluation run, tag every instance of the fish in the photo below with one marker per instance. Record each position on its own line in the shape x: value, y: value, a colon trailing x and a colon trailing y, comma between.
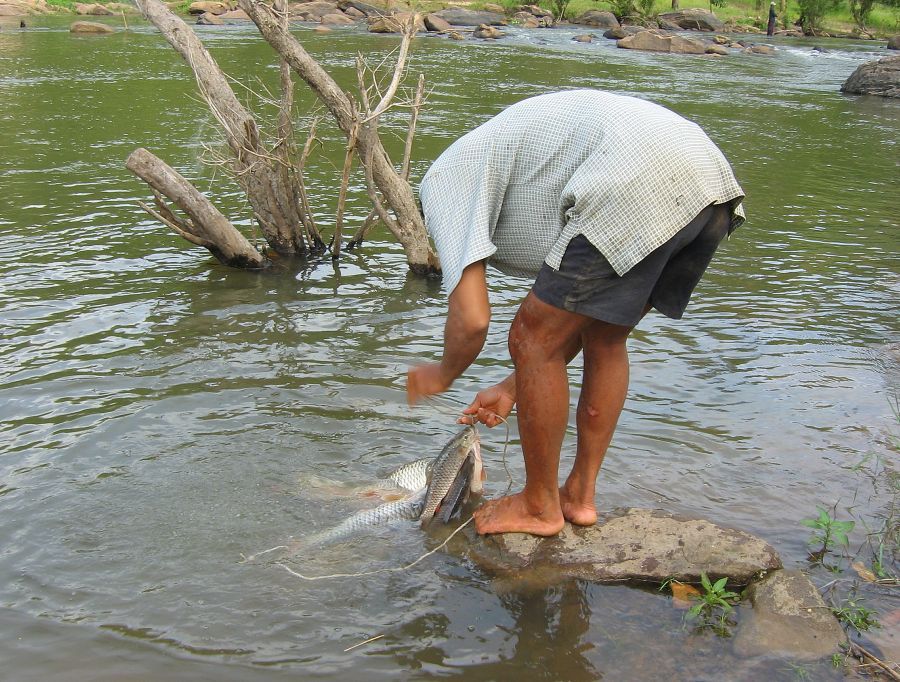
x: 453, y: 474
x: 462, y: 448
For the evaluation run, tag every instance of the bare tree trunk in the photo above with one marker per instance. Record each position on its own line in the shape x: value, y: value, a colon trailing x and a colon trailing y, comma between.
x: 266, y: 177
x: 407, y: 223
x: 205, y: 225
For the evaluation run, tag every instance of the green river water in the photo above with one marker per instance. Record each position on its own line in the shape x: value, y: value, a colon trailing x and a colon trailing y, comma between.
x: 161, y: 415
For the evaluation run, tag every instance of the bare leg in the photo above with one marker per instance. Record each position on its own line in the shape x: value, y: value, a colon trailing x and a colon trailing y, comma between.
x: 540, y: 341
x: 603, y: 391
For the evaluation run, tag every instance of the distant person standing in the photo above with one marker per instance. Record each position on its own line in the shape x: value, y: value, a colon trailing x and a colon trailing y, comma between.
x: 770, y: 29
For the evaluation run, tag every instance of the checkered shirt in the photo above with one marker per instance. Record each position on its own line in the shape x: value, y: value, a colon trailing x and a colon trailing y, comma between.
x: 626, y: 173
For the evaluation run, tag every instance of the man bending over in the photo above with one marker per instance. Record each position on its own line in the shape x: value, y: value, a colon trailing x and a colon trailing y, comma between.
x: 616, y: 205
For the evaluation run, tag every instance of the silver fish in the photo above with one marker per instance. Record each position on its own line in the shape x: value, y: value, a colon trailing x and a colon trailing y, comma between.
x: 457, y: 469
x: 447, y: 467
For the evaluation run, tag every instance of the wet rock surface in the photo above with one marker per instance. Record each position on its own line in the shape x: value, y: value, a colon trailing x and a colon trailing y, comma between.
x: 881, y: 77
x: 789, y: 618
x: 90, y: 27
x: 458, y: 16
x: 632, y: 545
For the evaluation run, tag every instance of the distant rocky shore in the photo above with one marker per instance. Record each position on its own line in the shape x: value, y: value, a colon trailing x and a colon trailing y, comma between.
x: 691, y: 31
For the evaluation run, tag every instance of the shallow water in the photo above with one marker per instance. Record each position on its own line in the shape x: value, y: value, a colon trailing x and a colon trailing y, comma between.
x: 160, y: 413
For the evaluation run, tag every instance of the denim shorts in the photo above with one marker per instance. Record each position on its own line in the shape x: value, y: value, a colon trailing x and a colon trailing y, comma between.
x: 587, y: 284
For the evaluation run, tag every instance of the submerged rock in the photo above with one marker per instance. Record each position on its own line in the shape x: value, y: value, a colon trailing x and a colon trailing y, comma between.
x: 632, y: 545
x: 881, y: 77
x: 487, y: 32
x: 893, y: 43
x: 90, y: 27
x: 789, y: 618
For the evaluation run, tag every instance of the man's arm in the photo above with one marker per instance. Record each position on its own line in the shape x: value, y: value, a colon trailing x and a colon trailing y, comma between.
x: 465, y: 331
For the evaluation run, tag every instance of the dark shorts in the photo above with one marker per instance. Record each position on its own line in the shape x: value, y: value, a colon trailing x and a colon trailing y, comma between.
x: 587, y: 284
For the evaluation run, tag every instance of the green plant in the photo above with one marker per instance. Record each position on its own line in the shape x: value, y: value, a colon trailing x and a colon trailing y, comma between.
x: 714, y: 604
x: 852, y: 612
x: 623, y: 8
x: 828, y: 530
x: 813, y: 11
x: 646, y: 9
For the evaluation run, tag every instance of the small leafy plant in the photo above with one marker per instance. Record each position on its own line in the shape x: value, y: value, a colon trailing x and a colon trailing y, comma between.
x: 714, y: 604
x: 828, y: 530
x: 852, y: 612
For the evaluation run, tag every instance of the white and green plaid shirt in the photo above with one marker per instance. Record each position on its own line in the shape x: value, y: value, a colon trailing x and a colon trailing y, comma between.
x: 626, y: 173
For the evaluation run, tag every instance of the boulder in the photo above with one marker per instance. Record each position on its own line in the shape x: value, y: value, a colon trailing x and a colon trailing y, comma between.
x: 720, y: 40
x: 434, y: 23
x: 894, y: 42
x: 789, y: 619
x: 210, y: 19
x: 457, y: 16
x: 235, y: 15
x: 321, y: 29
x: 312, y: 11
x: 598, y: 19
x: 621, y: 31
x: 667, y: 25
x: 656, y: 41
x: 694, y: 19
x: 716, y: 49
x: 526, y: 20
x: 90, y: 27
x: 337, y: 19
x: 455, y: 35
x: 760, y: 49
x: 487, y: 32
x: 632, y: 545
x: 211, y: 6
x: 537, y: 11
x: 354, y: 13
x: 393, y: 23
x: 881, y: 77
x: 93, y: 10
x: 492, y: 7
x: 364, y: 8
x: 583, y: 38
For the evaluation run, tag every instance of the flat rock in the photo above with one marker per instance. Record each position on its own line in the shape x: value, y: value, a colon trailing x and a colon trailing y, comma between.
x: 583, y: 38
x: 657, y: 41
x: 235, y: 15
x: 715, y: 48
x: 881, y: 77
x: 761, y: 49
x: 597, y: 18
x: 337, y: 18
x: 632, y: 545
x: 694, y: 19
x: 457, y: 16
x: 90, y: 27
x: 789, y: 619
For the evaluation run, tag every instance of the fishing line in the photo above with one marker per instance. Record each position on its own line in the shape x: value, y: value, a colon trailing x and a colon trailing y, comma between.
x: 363, y: 574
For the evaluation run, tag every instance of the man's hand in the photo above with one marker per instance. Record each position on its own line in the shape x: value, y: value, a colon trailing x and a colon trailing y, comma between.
x: 491, y: 406
x: 423, y: 381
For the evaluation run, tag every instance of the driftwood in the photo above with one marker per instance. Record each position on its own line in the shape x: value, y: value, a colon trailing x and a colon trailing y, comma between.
x: 398, y: 210
x: 272, y: 175
x: 205, y: 225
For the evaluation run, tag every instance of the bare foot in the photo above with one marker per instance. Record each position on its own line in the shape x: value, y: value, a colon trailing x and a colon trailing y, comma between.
x: 577, y: 512
x: 513, y: 514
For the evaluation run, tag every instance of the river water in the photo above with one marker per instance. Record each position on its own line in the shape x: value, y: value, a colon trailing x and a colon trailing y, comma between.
x: 163, y: 416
